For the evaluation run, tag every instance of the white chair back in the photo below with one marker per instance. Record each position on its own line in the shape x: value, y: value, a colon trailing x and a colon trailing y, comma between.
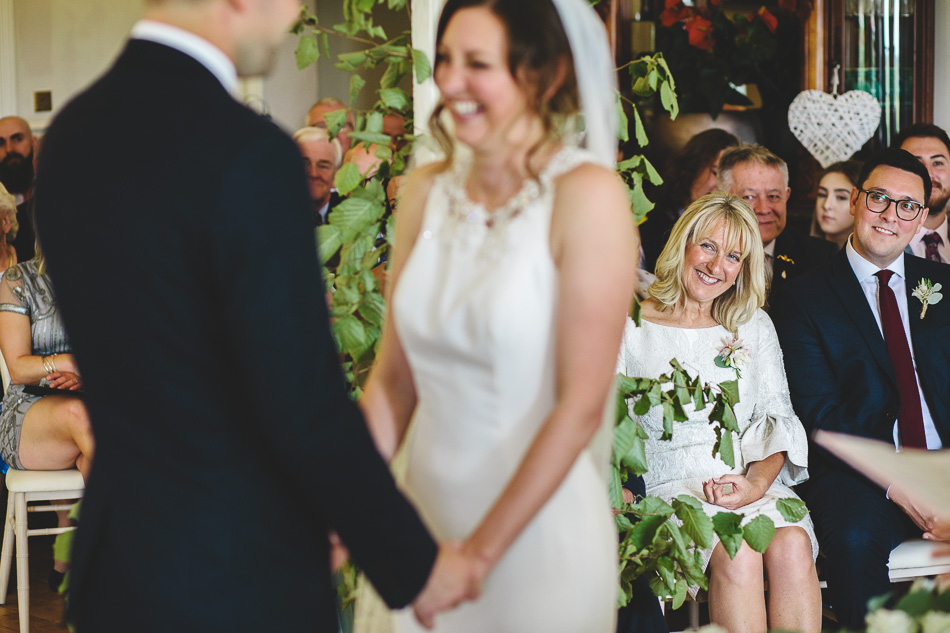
x: 4, y: 373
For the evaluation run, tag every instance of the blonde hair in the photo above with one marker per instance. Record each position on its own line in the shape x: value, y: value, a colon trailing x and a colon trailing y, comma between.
x: 736, y: 305
x: 8, y: 206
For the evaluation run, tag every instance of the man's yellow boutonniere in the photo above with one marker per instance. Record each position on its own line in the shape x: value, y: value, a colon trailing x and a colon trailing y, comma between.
x: 928, y: 293
x: 786, y: 258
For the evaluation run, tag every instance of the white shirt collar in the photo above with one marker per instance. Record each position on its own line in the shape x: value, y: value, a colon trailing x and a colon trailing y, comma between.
x: 863, y: 268
x: 940, y: 230
x: 203, y: 51
x: 769, y: 248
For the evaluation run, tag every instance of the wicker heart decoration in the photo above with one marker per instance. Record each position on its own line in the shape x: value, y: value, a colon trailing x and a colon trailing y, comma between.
x: 833, y: 128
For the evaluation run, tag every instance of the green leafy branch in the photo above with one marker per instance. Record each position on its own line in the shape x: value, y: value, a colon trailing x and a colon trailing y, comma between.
x: 649, y: 76
x: 663, y: 539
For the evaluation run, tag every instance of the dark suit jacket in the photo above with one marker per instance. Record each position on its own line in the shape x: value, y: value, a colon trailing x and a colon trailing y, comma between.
x: 796, y: 253
x: 839, y: 371
x: 191, y: 290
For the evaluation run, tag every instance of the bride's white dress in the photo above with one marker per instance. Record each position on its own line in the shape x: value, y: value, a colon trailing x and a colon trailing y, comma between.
x: 475, y: 311
x: 767, y: 422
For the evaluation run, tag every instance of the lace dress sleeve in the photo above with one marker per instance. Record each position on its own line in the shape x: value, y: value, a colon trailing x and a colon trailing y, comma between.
x: 774, y: 426
x: 13, y: 297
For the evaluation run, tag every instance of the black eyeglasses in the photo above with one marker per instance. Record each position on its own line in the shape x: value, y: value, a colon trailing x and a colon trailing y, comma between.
x: 878, y: 202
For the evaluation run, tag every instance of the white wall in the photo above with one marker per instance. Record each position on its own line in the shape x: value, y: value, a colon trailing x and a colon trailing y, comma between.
x: 64, y: 45
x: 941, y: 67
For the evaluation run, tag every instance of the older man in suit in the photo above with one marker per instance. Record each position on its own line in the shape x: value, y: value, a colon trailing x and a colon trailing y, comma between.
x: 867, y: 354
x: 760, y: 178
x: 227, y: 447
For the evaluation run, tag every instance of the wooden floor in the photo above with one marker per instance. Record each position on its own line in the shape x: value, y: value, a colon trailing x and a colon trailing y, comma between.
x: 46, y: 607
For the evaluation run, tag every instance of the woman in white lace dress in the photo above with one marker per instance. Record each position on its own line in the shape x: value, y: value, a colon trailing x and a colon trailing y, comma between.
x: 705, y: 302
x: 511, y: 277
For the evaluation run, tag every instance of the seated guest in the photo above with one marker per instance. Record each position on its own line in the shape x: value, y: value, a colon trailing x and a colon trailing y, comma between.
x: 931, y: 146
x: 366, y: 158
x: 40, y: 432
x: 321, y: 159
x: 17, y: 172
x: 832, y: 220
x: 316, y: 117
x: 704, y: 305
x: 8, y: 229
x: 761, y: 179
x: 866, y: 355
x: 690, y: 174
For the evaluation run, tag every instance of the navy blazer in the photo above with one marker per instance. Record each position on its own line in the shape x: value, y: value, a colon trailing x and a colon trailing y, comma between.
x: 839, y: 371
x: 178, y: 234
x: 795, y: 254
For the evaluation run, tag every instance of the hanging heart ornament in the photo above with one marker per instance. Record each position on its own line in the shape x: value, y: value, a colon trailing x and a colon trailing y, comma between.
x: 833, y: 128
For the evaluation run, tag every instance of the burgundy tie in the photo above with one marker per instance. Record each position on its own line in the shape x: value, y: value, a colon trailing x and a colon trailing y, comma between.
x: 932, y: 241
x: 910, y: 420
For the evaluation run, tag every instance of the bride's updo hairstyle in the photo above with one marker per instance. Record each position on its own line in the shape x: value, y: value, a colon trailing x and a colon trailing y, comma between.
x: 736, y: 305
x: 539, y: 59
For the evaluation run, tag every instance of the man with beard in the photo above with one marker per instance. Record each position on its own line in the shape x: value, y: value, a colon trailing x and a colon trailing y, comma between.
x: 227, y: 447
x: 931, y: 146
x: 17, y: 148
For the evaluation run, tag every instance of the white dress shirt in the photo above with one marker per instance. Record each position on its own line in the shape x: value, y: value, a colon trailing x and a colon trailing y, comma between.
x: 919, y: 249
x: 864, y: 271
x: 203, y: 51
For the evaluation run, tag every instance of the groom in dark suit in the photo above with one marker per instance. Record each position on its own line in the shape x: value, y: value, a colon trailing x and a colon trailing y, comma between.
x: 226, y: 446
x: 867, y: 354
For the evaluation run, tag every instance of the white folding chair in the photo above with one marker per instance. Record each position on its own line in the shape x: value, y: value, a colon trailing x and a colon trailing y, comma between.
x: 25, y: 487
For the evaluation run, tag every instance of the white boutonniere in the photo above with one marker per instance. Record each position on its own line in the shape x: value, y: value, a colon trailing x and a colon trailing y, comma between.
x: 734, y: 354
x: 928, y: 294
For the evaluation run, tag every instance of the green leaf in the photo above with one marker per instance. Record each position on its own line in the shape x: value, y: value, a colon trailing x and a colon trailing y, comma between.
x: 664, y: 567
x: 615, y: 489
x: 335, y: 121
x: 667, y: 421
x: 636, y: 313
x: 325, y: 45
x: 394, y: 98
x: 370, y: 137
x: 624, y: 434
x: 373, y: 308
x: 623, y: 125
x: 793, y: 510
x: 420, y: 64
x: 698, y: 401
x: 374, y: 122
x: 679, y: 594
x: 726, y: 452
x: 351, y: 333
x: 668, y: 100
x: 307, y: 52
x: 644, y: 531
x: 652, y: 174
x: 758, y: 533
x: 636, y: 459
x: 347, y: 179
x: 329, y: 240
x: 726, y: 525
x: 696, y: 524
x: 355, y: 215
x: 356, y: 84
x: 641, y: 406
x: 351, y: 61
x: 730, y: 389
x: 638, y: 128
x: 916, y: 603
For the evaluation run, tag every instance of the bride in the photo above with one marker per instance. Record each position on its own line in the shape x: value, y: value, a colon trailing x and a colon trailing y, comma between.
x: 513, y: 270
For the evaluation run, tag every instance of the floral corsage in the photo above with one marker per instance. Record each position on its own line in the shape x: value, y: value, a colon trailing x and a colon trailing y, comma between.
x: 927, y: 293
x: 734, y: 354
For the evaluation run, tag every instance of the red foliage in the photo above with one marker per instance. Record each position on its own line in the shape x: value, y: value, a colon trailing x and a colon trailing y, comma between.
x: 771, y: 22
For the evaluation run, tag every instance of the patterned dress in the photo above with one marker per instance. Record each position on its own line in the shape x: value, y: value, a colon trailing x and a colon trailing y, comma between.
x: 25, y: 291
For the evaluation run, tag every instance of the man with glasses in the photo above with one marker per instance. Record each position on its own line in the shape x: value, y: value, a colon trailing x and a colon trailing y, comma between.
x: 866, y: 354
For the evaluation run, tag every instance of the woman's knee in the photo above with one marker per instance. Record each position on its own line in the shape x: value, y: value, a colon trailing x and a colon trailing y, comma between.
x: 791, y: 551
x: 744, y: 568
x: 73, y: 417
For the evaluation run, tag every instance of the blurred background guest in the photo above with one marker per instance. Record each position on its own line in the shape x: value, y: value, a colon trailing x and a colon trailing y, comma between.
x: 833, y: 220
x: 689, y: 175
x: 8, y: 229
x: 316, y: 117
x: 321, y: 159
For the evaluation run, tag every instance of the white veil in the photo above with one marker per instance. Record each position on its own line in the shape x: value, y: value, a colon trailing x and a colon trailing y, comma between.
x: 597, y: 88
x: 596, y: 76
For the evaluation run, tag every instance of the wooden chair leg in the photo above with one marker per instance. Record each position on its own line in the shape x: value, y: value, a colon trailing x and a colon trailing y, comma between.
x: 6, y: 555
x: 22, y: 563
